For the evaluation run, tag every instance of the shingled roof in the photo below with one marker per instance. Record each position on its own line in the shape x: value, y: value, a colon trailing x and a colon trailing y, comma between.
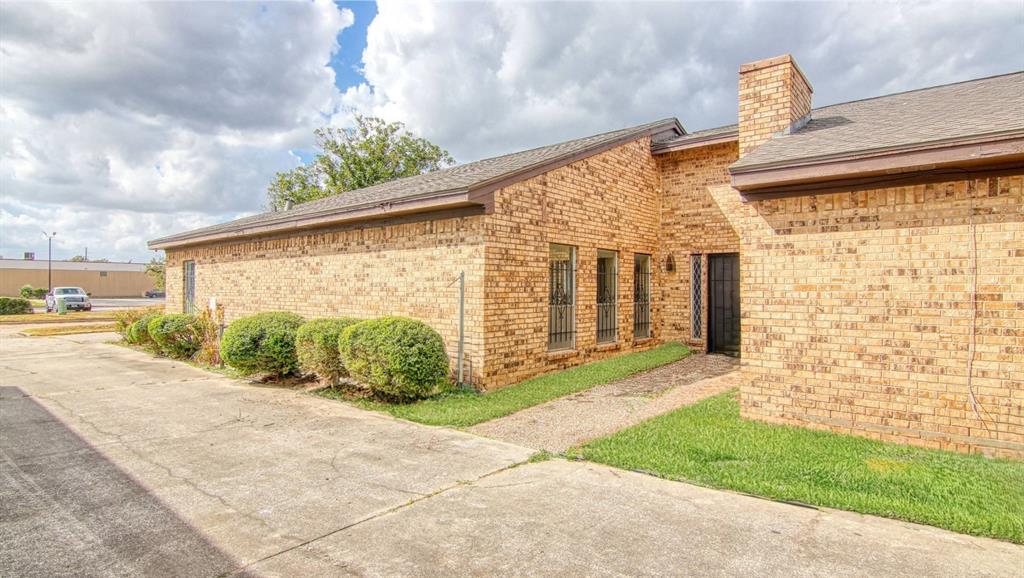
x: 964, y: 110
x: 698, y: 139
x: 458, y: 186
x: 983, y: 108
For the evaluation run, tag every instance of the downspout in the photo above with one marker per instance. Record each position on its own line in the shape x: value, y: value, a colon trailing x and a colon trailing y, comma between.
x: 462, y: 323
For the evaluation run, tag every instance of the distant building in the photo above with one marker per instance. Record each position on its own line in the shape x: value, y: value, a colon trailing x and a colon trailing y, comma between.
x: 100, y: 279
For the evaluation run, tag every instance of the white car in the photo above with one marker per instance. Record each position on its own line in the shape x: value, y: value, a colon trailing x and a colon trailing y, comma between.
x: 73, y: 298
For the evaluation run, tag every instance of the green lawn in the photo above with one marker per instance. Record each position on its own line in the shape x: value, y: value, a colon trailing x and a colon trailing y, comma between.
x: 709, y: 444
x: 461, y: 409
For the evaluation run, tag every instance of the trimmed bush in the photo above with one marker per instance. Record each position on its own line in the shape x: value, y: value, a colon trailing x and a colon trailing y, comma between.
x: 14, y: 306
x: 396, y: 357
x: 26, y: 292
x: 39, y: 292
x: 316, y: 345
x: 138, y: 332
x: 176, y: 335
x: 262, y: 343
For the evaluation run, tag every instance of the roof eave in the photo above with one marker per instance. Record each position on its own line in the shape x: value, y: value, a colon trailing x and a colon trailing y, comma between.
x: 447, y: 200
x: 484, y: 192
x: 669, y: 147
x: 802, y: 176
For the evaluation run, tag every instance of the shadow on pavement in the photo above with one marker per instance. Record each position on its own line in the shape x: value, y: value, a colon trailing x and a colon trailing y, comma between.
x: 65, y: 509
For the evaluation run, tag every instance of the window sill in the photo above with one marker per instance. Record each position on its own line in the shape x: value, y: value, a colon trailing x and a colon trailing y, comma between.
x: 610, y: 346
x: 642, y: 340
x: 561, y: 354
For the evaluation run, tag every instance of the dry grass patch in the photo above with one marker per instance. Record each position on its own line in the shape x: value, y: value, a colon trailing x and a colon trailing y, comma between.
x: 69, y: 329
x: 75, y: 317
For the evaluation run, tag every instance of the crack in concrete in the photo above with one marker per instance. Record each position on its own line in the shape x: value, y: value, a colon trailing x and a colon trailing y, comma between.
x: 170, y: 473
x: 387, y: 511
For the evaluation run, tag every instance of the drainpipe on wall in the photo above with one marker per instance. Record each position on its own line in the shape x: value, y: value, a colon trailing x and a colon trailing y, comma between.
x: 462, y: 322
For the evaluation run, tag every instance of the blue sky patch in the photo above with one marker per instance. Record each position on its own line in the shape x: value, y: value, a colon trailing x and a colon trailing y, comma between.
x: 348, y: 61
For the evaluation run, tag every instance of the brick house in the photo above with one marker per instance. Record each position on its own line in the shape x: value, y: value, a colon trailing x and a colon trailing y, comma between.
x: 870, y: 254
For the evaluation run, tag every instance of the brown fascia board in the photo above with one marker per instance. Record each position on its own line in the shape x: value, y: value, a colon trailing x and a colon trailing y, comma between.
x: 484, y: 192
x: 696, y: 143
x: 809, y: 175
x: 866, y: 183
x: 437, y: 202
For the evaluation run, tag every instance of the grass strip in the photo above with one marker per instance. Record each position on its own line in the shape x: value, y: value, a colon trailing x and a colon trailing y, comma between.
x: 710, y: 444
x: 62, y: 329
x: 462, y: 409
x: 75, y: 317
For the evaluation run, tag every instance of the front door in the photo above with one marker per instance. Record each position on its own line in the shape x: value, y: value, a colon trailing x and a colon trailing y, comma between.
x: 724, y: 303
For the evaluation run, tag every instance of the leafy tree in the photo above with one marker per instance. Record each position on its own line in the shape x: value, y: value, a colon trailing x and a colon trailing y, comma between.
x: 81, y: 259
x: 157, y: 269
x: 372, y: 152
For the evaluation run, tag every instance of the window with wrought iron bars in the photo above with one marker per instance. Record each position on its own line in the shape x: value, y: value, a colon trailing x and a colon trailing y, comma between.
x: 641, y: 296
x: 696, y: 302
x: 607, y: 296
x: 189, y: 287
x: 562, y: 297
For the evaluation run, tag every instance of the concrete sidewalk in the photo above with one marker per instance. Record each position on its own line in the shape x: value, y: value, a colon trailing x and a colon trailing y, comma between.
x: 568, y: 421
x: 117, y: 464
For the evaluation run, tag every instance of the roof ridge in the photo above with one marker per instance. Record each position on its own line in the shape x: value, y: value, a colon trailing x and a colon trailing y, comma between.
x: 912, y: 90
x: 567, y: 141
x: 922, y: 89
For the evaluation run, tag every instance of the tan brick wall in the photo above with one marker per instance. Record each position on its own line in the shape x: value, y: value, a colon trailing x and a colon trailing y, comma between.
x: 608, y: 201
x: 691, y: 224
x: 773, y: 95
x: 857, y: 312
x: 370, y: 271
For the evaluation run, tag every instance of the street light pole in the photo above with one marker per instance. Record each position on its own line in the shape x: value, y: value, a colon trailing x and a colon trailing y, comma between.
x: 49, y: 260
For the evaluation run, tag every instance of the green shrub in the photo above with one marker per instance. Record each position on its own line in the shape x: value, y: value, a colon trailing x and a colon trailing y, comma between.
x: 396, y: 357
x: 14, y: 306
x: 39, y: 292
x: 263, y: 343
x: 176, y: 335
x: 138, y: 332
x: 316, y: 345
x: 125, y: 318
x: 27, y: 292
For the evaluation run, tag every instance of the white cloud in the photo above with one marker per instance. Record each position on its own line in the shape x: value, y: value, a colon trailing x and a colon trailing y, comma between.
x: 126, y: 121
x: 122, y: 122
x: 484, y: 79
x: 112, y: 233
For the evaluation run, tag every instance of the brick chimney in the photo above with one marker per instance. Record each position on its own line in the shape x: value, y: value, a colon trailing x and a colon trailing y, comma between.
x: 775, y: 98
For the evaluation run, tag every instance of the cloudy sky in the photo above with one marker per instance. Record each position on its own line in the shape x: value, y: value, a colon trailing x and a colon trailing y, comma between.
x: 122, y: 122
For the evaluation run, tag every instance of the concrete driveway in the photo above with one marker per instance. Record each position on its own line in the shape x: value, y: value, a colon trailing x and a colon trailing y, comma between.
x: 115, y: 463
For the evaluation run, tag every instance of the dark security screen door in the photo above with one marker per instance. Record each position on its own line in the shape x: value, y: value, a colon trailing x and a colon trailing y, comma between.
x: 724, y: 303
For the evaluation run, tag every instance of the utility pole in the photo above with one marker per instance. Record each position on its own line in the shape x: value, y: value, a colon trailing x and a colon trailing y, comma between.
x: 49, y: 260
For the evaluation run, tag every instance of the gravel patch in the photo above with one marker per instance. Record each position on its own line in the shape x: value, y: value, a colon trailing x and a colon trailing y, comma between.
x: 568, y: 421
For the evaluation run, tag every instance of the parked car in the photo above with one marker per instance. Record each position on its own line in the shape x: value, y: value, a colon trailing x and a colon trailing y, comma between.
x: 74, y: 298
x: 155, y: 294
